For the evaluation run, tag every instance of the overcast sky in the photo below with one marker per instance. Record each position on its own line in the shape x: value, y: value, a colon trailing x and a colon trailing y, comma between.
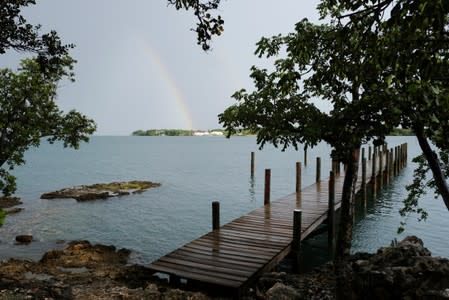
x: 139, y: 66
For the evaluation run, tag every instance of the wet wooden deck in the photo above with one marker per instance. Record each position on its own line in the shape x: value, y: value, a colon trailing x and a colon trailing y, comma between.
x: 236, y: 253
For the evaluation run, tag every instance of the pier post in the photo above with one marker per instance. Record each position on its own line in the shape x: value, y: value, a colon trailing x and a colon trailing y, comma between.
x: 373, y: 175
x: 296, y: 244
x: 252, y: 164
x: 318, y: 169
x: 331, y: 214
x: 396, y: 161
x: 403, y: 155
x: 298, y: 177
x: 390, y: 170
x: 387, y: 167
x: 381, y: 169
x: 266, y: 198
x: 363, y: 187
x: 369, y: 153
x: 215, y: 215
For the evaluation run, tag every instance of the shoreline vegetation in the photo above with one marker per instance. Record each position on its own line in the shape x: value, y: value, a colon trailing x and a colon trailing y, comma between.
x: 221, y: 132
x: 185, y: 132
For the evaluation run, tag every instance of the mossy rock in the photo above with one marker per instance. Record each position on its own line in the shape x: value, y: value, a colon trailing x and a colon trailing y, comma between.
x: 101, y: 190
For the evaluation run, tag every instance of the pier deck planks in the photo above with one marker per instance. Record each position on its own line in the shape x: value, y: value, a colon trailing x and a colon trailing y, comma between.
x: 233, y: 255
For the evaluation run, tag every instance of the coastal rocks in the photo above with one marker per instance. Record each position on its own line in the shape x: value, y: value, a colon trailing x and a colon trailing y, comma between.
x: 84, y: 271
x: 101, y: 190
x: 24, y: 239
x: 7, y: 202
x: 12, y: 211
x: 317, y: 284
x: 404, y: 271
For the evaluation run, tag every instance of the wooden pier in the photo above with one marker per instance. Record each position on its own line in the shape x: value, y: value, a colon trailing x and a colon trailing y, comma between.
x: 234, y: 255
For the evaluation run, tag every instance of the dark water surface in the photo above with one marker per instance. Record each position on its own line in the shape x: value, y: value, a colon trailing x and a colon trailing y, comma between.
x: 194, y: 171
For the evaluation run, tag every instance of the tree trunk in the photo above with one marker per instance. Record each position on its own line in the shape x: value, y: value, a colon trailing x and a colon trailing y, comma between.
x: 344, y: 238
x: 434, y: 164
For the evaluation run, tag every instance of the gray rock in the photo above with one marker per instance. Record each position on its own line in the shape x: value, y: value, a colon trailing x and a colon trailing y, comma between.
x: 282, y: 292
x: 24, y: 238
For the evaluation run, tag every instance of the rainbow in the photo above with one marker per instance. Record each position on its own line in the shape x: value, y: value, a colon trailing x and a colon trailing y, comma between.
x: 172, y: 86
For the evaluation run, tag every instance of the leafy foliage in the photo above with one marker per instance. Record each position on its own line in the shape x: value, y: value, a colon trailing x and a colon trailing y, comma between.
x: 208, y: 25
x: 28, y: 112
x: 17, y: 34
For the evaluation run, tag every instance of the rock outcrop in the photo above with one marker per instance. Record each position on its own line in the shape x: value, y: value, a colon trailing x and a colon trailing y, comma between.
x: 101, y: 190
x: 84, y: 271
x: 7, y: 202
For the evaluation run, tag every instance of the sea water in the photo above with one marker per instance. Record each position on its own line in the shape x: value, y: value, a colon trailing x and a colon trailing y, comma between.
x: 193, y: 171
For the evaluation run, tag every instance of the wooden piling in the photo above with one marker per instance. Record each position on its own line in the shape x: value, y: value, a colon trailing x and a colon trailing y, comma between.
x: 298, y: 177
x: 331, y: 214
x: 318, y: 169
x: 391, y: 170
x: 266, y: 199
x: 369, y: 153
x: 296, y: 243
x: 252, y: 164
x: 374, y: 175
x: 387, y: 167
x: 363, y: 187
x: 395, y: 161
x: 215, y: 215
x: 381, y: 169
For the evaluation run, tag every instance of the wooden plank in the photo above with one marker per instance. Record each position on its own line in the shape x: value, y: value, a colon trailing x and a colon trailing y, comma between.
x: 207, y: 267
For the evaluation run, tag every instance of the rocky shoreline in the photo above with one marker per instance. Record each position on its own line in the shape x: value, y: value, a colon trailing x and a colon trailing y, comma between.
x: 101, y: 190
x: 85, y: 271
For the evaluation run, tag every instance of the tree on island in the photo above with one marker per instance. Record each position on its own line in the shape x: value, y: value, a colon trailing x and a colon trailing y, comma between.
x: 28, y: 109
x: 389, y: 69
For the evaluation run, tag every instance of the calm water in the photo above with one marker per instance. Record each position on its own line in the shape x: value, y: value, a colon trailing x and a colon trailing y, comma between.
x: 194, y: 171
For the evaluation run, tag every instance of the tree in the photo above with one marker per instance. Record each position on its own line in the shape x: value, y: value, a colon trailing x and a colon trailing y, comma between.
x: 411, y: 54
x: 28, y: 111
x: 18, y: 35
x: 405, y: 73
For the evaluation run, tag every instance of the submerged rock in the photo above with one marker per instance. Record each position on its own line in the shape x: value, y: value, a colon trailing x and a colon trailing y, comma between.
x: 24, y: 239
x: 101, y: 190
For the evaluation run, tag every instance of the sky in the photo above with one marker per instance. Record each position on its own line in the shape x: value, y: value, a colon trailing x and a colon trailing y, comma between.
x: 138, y: 64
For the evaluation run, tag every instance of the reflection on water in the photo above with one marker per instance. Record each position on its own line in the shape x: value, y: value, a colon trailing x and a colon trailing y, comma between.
x: 252, y: 189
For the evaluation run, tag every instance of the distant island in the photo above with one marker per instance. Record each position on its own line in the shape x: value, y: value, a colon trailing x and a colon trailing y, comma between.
x: 221, y: 132
x: 183, y: 132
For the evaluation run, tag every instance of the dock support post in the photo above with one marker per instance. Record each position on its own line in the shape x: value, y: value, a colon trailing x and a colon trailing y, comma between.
x: 369, y: 153
x: 298, y: 177
x: 387, y: 167
x: 252, y: 164
x: 396, y: 164
x: 174, y: 280
x: 363, y: 187
x: 390, y: 168
x: 373, y: 175
x: 266, y: 198
x: 215, y: 215
x: 296, y: 244
x: 318, y: 169
x: 331, y: 215
x: 381, y: 169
